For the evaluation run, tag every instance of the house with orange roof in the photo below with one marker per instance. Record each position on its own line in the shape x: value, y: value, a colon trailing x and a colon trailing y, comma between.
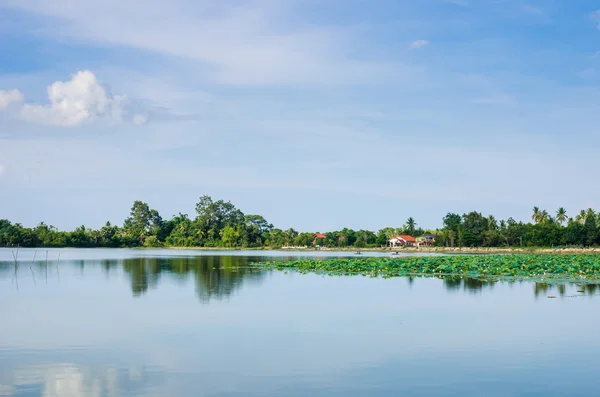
x: 403, y: 239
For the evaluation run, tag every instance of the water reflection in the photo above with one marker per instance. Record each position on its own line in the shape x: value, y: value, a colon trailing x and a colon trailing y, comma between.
x: 471, y: 285
x: 215, y: 277
x: 218, y: 277
x: 73, y: 380
x: 542, y: 289
x: 296, y: 335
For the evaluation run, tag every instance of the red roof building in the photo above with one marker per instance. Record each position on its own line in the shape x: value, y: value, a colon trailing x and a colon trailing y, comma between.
x: 402, y: 240
x: 407, y: 238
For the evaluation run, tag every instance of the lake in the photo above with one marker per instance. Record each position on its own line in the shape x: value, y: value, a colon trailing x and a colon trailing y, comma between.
x: 174, y: 323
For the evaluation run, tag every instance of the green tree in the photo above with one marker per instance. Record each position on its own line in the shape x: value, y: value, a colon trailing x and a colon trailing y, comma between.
x: 142, y: 221
x: 452, y: 221
x: 290, y: 236
x: 230, y: 237
x: 473, y: 227
x: 411, y: 225
x: 561, y: 215
x: 590, y: 231
x: 536, y: 214
x: 217, y: 214
x: 581, y: 216
x: 303, y: 239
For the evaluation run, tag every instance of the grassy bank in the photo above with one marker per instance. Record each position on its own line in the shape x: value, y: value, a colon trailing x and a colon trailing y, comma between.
x: 535, y: 266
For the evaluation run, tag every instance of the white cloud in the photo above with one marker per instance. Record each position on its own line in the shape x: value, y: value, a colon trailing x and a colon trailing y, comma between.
x: 81, y: 100
x: 418, y: 44
x: 10, y: 97
x: 1, y: 170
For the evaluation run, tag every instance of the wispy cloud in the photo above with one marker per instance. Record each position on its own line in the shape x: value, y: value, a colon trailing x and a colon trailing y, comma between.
x: 596, y: 17
x: 531, y: 10
x: 462, y: 3
x: 81, y: 100
x: 501, y: 99
x: 418, y: 44
x: 235, y: 44
x: 1, y: 170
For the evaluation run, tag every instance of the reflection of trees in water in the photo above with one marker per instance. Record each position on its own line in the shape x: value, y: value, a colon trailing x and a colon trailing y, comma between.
x: 548, y: 289
x: 216, y: 277
x: 542, y: 289
x: 467, y: 284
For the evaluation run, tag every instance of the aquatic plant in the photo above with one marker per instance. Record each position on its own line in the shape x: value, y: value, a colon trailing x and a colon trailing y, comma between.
x: 539, y: 266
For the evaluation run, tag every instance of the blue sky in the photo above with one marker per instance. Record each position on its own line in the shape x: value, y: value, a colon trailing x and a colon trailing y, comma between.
x: 315, y: 114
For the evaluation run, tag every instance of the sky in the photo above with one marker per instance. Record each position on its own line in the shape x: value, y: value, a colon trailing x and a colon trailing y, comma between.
x: 317, y: 115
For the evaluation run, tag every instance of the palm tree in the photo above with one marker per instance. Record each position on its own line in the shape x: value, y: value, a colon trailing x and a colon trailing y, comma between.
x: 492, y: 224
x: 561, y: 215
x: 581, y: 216
x: 590, y: 213
x: 536, y: 214
x: 544, y: 217
x: 411, y: 225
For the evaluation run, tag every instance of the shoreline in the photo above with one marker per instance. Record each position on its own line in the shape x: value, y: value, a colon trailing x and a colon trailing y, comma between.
x: 432, y: 250
x: 400, y: 251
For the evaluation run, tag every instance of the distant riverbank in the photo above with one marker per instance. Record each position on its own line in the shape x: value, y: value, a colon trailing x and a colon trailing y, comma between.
x: 400, y: 250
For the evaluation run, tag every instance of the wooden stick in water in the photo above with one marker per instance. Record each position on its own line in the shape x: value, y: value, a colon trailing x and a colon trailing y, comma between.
x: 15, y: 257
x: 31, y: 267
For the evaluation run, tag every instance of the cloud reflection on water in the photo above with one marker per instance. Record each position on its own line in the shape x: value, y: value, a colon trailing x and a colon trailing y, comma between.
x: 73, y: 380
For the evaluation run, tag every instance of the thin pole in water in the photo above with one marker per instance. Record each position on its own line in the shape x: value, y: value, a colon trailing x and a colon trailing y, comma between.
x: 15, y: 257
x: 31, y: 267
x: 46, y: 266
x: 57, y: 262
x: 16, y: 266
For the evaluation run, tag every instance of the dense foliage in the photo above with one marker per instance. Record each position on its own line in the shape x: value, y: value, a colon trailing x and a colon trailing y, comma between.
x: 580, y: 267
x: 476, y: 230
x: 221, y: 224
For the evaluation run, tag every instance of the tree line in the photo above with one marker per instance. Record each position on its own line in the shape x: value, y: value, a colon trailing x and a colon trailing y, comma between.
x: 220, y: 224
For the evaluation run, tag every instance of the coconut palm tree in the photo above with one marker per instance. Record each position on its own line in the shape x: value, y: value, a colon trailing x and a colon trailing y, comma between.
x: 590, y: 213
x: 543, y: 217
x: 581, y: 217
x: 536, y: 215
x: 411, y: 225
x: 492, y: 224
x: 561, y: 215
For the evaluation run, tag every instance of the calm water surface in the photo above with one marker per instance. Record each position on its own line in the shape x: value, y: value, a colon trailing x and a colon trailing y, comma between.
x: 173, y: 323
